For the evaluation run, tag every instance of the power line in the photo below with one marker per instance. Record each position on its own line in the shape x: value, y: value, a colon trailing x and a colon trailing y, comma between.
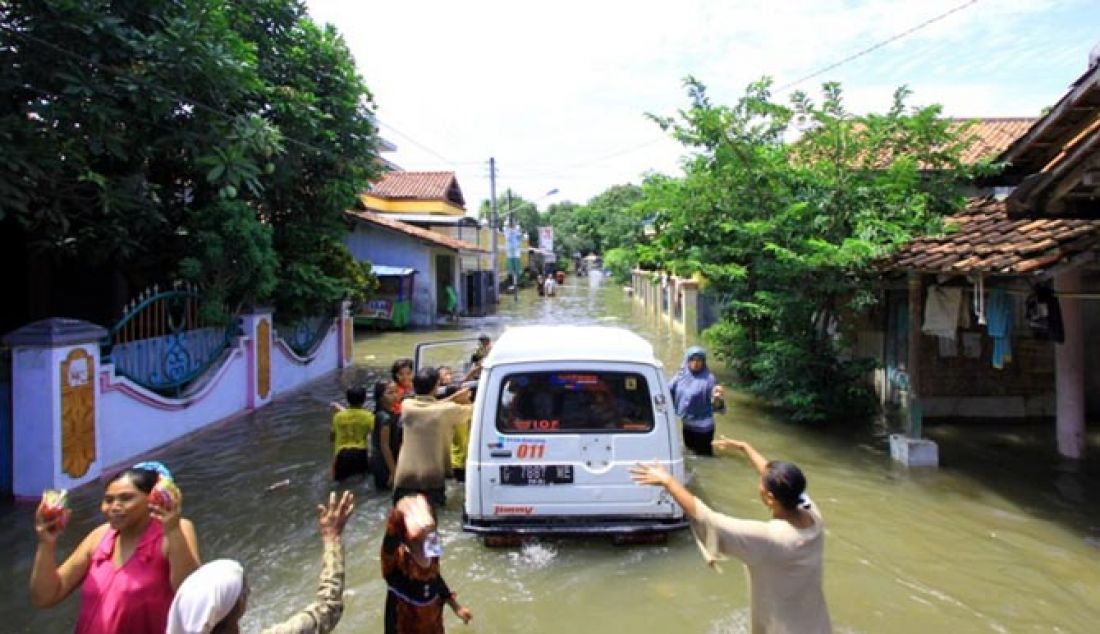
x: 416, y: 143
x: 877, y: 46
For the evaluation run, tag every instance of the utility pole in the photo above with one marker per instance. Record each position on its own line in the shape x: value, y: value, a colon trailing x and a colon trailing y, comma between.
x: 493, y: 223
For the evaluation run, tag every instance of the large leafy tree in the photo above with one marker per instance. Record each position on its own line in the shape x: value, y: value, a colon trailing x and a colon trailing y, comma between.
x: 215, y: 141
x: 785, y: 232
x: 608, y: 223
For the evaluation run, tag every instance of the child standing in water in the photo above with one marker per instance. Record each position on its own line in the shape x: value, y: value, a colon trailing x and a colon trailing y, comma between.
x: 351, y: 429
x: 385, y: 438
x: 696, y: 396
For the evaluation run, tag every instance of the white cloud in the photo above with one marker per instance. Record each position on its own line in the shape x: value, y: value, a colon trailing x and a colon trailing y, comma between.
x: 557, y: 91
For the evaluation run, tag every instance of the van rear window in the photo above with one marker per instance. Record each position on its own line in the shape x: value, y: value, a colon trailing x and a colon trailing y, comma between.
x: 572, y: 402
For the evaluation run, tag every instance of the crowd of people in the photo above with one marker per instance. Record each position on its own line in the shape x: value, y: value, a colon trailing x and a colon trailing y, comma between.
x: 140, y: 572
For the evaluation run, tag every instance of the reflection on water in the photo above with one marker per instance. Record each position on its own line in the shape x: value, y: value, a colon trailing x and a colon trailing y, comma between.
x: 1002, y: 538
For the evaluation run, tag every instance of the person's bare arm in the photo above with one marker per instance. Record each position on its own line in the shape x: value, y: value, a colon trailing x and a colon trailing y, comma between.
x: 759, y: 462
x: 654, y: 474
x: 387, y: 452
x: 181, y: 545
x: 50, y: 583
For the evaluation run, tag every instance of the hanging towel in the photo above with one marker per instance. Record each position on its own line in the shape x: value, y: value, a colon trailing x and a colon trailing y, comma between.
x: 941, y: 311
x: 1000, y: 312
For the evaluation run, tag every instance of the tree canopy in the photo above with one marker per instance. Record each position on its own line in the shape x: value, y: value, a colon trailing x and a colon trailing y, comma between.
x: 784, y: 232
x: 214, y: 141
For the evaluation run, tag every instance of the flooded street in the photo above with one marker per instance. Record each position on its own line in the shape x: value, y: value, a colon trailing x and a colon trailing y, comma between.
x: 1003, y: 538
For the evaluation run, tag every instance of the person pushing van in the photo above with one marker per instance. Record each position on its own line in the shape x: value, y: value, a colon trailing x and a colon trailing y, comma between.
x: 428, y: 427
x: 696, y: 396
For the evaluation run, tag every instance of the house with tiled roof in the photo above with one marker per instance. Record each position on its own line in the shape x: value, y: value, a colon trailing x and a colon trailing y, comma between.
x: 434, y: 201
x: 435, y: 193
x: 434, y: 260
x: 998, y: 317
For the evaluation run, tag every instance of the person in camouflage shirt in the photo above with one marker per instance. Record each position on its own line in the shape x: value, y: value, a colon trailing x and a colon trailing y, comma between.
x: 214, y: 598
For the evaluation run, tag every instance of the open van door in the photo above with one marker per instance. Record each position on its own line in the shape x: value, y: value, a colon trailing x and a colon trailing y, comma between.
x: 454, y: 353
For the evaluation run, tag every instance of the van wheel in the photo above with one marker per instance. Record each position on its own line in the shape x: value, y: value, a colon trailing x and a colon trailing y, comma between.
x: 504, y: 541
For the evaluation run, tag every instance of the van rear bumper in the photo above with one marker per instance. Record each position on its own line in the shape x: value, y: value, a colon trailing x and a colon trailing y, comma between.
x: 572, y: 525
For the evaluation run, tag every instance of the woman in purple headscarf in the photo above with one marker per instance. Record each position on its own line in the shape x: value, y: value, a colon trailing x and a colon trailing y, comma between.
x: 696, y: 396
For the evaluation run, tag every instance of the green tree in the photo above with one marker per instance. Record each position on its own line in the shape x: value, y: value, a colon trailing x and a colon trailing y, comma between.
x: 615, y: 217
x: 313, y: 94
x: 149, y: 136
x: 611, y: 220
x: 785, y: 233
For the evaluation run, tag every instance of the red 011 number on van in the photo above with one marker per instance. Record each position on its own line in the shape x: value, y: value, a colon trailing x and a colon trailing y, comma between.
x: 530, y: 451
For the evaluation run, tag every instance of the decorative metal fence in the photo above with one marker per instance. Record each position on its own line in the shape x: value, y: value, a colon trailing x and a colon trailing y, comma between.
x: 162, y: 341
x: 303, y: 336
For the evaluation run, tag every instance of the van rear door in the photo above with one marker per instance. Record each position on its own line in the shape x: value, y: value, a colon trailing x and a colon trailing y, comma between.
x: 562, y: 442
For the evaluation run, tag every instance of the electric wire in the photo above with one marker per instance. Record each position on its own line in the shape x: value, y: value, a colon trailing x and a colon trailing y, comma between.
x: 556, y: 172
x: 876, y: 46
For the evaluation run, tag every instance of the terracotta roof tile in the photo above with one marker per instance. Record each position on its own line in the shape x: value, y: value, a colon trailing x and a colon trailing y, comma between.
x: 418, y: 186
x: 992, y: 136
x: 417, y: 232
x: 988, y: 240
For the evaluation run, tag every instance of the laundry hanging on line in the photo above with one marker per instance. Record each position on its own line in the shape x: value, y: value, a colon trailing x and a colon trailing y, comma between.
x: 941, y: 311
x: 1000, y: 312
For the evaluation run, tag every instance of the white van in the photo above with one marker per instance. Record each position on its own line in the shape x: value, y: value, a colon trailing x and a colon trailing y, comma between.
x: 561, y: 415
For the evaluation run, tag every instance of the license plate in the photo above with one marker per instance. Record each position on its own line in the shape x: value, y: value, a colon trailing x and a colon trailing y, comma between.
x: 523, y: 475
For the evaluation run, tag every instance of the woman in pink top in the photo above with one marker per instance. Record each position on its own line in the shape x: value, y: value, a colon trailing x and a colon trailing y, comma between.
x: 129, y: 568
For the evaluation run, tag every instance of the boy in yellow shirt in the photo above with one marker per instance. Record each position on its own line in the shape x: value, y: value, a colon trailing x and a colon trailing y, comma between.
x: 351, y: 427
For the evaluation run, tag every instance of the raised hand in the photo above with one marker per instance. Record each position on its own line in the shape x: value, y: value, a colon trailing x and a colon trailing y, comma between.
x: 729, y: 443
x: 417, y: 514
x: 170, y: 514
x: 48, y: 524
x: 333, y: 516
x: 650, y: 473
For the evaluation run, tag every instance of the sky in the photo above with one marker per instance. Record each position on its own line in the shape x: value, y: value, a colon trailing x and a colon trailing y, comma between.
x: 558, y: 92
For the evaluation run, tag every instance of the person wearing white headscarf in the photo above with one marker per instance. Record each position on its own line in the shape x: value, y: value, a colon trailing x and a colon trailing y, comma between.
x: 206, y: 597
x: 213, y: 599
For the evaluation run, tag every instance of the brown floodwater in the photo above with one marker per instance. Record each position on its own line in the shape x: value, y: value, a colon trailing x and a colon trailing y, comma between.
x: 1003, y: 537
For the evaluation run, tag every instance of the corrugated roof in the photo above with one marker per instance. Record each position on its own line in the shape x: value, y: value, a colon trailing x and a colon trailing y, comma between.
x: 418, y: 186
x: 411, y: 230
x: 989, y: 240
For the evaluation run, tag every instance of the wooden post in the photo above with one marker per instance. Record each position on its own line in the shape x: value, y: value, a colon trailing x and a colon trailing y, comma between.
x: 913, y: 364
x: 1069, y: 364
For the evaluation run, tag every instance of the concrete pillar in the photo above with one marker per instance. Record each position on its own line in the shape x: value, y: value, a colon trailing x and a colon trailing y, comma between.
x: 258, y: 331
x: 55, y: 405
x: 913, y: 365
x: 909, y: 448
x: 1069, y: 364
x: 346, y: 340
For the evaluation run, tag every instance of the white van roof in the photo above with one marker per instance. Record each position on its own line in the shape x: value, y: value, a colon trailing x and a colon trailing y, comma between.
x: 527, y: 344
